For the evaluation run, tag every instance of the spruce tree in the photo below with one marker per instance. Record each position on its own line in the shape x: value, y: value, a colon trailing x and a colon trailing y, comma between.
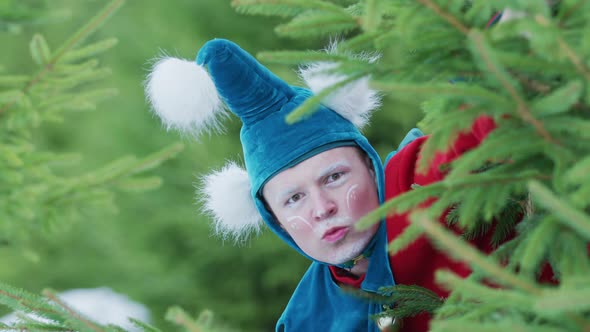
x: 531, y: 74
x: 42, y: 192
x: 36, y: 197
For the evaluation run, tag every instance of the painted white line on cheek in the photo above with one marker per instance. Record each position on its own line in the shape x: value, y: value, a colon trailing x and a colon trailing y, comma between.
x: 294, y: 224
x: 351, y: 194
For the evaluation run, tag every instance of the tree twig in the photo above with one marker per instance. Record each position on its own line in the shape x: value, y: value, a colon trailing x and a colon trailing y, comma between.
x: 81, y: 34
x: 522, y: 109
x: 569, y: 52
x: 446, y: 16
x: 72, y: 312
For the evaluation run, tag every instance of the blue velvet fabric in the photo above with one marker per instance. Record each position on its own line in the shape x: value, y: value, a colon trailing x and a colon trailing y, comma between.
x: 319, y: 304
x: 410, y: 136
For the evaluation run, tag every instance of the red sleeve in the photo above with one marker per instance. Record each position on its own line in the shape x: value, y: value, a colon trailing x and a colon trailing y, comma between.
x: 400, y: 172
x: 464, y: 142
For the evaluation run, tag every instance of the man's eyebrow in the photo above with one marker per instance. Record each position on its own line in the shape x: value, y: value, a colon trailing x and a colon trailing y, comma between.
x: 285, y: 193
x: 331, y: 168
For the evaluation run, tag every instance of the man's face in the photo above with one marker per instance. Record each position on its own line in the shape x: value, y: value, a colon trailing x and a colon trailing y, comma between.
x: 319, y: 200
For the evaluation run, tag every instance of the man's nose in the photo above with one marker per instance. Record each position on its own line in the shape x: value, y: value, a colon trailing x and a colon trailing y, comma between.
x: 324, y: 207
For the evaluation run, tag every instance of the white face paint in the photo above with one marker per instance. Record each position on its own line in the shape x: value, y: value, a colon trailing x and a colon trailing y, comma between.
x: 295, y: 222
x: 319, y: 200
x: 351, y: 195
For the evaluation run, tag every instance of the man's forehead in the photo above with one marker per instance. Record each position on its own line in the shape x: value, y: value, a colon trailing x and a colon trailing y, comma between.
x: 316, y: 163
x: 315, y: 167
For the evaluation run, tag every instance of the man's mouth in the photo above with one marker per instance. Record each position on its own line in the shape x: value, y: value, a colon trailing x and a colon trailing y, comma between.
x: 334, y: 234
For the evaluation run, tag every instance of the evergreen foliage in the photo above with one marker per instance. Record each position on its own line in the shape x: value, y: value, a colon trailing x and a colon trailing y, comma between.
x: 38, y: 194
x: 14, y: 14
x: 531, y: 74
x: 49, y: 313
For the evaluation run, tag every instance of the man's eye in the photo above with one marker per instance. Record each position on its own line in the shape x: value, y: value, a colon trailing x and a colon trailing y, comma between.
x: 294, y: 198
x: 334, y: 177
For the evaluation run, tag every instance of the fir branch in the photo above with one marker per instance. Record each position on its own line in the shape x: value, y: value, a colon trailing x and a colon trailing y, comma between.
x: 33, y: 326
x: 284, y: 7
x: 570, y: 11
x: 567, y: 214
x: 444, y: 89
x: 446, y: 16
x: 114, y: 172
x: 522, y: 109
x: 154, y: 160
x: 400, y: 203
x: 372, y: 16
x: 412, y: 198
x: 408, y: 236
x: 481, y: 293
x: 87, y: 51
x: 563, y: 300
x: 532, y: 84
x: 578, y: 171
x: 460, y: 249
x: 401, y: 300
x: 145, y: 327
x: 50, y: 295
x: 25, y: 300
x: 483, y: 179
x: 80, y: 35
x: 317, y: 24
x: 534, y: 251
x: 560, y: 100
x: 88, y: 29
x: 311, y: 104
x: 180, y: 317
x: 566, y: 48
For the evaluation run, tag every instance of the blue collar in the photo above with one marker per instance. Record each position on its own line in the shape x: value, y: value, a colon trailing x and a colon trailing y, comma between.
x: 318, y: 302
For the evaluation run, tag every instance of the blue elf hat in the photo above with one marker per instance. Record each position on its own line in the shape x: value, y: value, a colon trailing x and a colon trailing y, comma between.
x: 189, y: 96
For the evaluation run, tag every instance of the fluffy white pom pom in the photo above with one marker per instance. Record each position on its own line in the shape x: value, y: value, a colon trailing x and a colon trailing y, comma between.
x: 183, y: 95
x: 354, y: 102
x: 226, y: 197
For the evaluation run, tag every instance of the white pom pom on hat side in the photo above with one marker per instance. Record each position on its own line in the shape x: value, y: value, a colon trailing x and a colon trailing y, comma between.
x: 226, y: 197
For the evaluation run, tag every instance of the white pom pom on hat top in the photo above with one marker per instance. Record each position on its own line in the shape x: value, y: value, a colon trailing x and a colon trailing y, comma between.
x: 183, y: 95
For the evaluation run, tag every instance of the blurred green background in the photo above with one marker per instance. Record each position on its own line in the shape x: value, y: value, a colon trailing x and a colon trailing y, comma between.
x: 159, y: 249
